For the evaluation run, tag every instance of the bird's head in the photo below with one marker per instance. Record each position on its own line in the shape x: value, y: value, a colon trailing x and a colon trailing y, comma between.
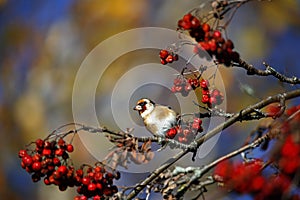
x: 144, y: 106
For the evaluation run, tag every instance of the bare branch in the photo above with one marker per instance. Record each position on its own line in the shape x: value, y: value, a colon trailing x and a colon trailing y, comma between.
x: 269, y: 71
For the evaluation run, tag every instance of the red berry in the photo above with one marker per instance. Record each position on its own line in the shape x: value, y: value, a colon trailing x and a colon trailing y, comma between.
x: 169, y: 59
x: 61, y: 142
x: 197, y: 121
x: 177, y: 81
x: 83, y: 198
x: 171, y: 133
x: 217, y: 34
x: 186, y: 132
x: 98, y: 176
x: 97, y: 197
x: 163, y: 54
x: 188, y: 17
x: 39, y: 143
x: 215, y: 93
x: 187, y: 87
x: 195, y: 23
x: 62, y: 170
x: 182, y: 139
x: 212, y: 45
x: 213, y: 100
x: 46, y: 152
x: 59, y: 152
x: 197, y: 124
x: 47, y: 145
x: 47, y: 181
x: 99, y: 186
x: 36, y: 157
x: 77, y: 198
x: 70, y: 148
x: 22, y: 153
x: 178, y: 88
x: 206, y: 27
x: 56, y: 161
x: 92, y: 187
x: 36, y: 166
x: 204, y: 45
x: 204, y: 84
x: 184, y: 24
x: 205, y: 99
x: 175, y: 57
x: 86, y: 180
x: 27, y: 160
x: 79, y: 172
x: 164, y: 62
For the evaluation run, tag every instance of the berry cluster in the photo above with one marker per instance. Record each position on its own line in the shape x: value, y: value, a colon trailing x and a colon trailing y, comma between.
x: 186, y: 132
x: 289, y: 161
x: 209, y: 40
x: 46, y: 159
x: 167, y: 57
x: 50, y: 159
x: 210, y: 98
x: 184, y: 86
x: 288, y: 157
x: 96, y: 183
x: 241, y: 177
x: 247, y: 178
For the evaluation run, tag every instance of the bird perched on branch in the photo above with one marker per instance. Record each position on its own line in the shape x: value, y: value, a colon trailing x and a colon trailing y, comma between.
x: 158, y: 119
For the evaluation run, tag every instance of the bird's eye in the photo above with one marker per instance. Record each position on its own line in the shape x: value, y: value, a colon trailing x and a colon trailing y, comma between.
x: 142, y: 103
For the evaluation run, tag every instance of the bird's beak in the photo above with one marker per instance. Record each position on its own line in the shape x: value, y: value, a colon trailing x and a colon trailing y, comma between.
x: 138, y: 107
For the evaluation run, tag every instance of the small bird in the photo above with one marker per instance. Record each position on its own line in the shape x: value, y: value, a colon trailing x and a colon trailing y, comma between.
x: 158, y: 119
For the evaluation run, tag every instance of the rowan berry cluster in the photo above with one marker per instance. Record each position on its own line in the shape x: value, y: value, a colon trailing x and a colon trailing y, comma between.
x: 210, y: 98
x: 46, y: 159
x: 96, y: 182
x: 184, y: 86
x: 186, y: 132
x: 167, y: 57
x: 49, y: 159
x: 209, y: 39
x: 247, y: 178
x: 243, y: 177
x: 288, y: 158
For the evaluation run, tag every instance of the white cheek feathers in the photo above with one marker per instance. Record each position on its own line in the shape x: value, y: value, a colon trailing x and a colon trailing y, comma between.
x: 148, y: 110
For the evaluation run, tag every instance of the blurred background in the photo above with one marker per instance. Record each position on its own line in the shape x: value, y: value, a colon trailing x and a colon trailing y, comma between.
x: 42, y: 44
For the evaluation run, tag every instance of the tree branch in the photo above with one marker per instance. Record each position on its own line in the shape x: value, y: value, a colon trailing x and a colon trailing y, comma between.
x: 235, y: 118
x: 269, y: 71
